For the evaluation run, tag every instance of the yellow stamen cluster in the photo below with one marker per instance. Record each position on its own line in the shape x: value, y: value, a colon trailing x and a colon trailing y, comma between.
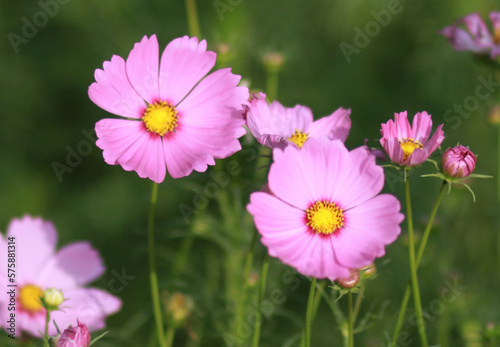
x: 30, y: 298
x: 325, y: 217
x: 298, y: 137
x: 160, y: 118
x: 408, y: 146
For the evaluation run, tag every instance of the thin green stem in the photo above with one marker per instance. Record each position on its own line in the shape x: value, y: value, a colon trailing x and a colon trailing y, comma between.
x: 498, y: 198
x: 192, y: 15
x: 350, y: 321
x: 310, y: 303
x: 170, y: 336
x: 413, y: 267
x: 183, y: 255
x: 46, y: 335
x: 421, y: 249
x: 262, y: 290
x: 357, y: 305
x: 152, y: 268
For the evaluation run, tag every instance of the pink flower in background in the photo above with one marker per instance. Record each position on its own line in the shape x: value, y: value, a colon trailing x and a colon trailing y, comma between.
x: 78, y: 336
x: 322, y: 213
x: 477, y: 38
x: 276, y: 126
x: 174, y: 118
x: 458, y: 162
x: 408, y: 145
x: 38, y: 266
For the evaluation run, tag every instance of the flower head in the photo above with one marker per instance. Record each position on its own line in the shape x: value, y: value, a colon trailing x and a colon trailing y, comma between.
x: 323, y: 213
x: 276, y: 126
x: 477, y: 38
x: 458, y: 162
x: 78, y: 336
x: 174, y: 118
x: 39, y: 267
x: 410, y: 145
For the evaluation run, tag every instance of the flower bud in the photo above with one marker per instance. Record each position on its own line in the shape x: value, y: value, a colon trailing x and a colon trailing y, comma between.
x: 351, y: 281
x: 78, y: 336
x: 368, y: 271
x: 52, y: 298
x: 458, y: 162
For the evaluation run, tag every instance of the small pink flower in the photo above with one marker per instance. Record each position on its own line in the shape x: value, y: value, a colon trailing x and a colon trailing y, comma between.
x: 276, y: 126
x: 40, y: 266
x: 478, y: 38
x: 410, y: 145
x: 174, y: 118
x: 458, y: 162
x: 323, y: 214
x: 78, y: 336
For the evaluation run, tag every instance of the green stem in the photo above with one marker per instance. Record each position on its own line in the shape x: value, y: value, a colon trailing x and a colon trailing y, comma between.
x: 46, y: 335
x: 183, y: 255
x: 309, y: 312
x: 262, y: 289
x: 350, y: 321
x: 170, y: 336
x: 357, y: 305
x: 413, y: 266
x: 498, y: 198
x: 152, y: 268
x: 320, y: 287
x: 421, y: 249
x: 192, y: 15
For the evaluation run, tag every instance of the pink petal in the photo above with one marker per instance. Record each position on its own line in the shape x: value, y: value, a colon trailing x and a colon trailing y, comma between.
x: 184, y: 63
x: 403, y: 127
x: 418, y: 157
x: 112, y: 91
x: 393, y: 149
x: 297, y: 118
x: 335, y: 126
x: 435, y: 140
x: 142, y: 68
x: 127, y: 143
x: 368, y: 228
x: 422, y: 126
x: 74, y: 265
x: 35, y: 239
x: 478, y: 29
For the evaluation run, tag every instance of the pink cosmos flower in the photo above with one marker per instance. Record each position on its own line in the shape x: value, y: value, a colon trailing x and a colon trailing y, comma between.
x: 277, y: 126
x: 174, y: 118
x: 38, y: 266
x: 407, y: 145
x: 78, y: 336
x: 323, y: 213
x: 459, y: 161
x: 478, y: 39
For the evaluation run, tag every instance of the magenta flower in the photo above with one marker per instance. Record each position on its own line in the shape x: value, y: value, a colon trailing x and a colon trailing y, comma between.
x: 277, y: 126
x: 37, y: 267
x: 478, y: 38
x: 174, y: 118
x: 78, y: 336
x: 458, y: 162
x: 409, y: 145
x: 323, y: 214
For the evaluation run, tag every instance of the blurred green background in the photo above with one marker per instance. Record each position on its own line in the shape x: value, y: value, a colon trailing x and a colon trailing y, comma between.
x: 405, y: 66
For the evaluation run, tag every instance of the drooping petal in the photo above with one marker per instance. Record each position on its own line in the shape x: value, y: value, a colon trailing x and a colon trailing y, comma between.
x: 113, y: 92
x: 184, y: 63
x: 368, y: 229
x: 335, y: 126
x: 142, y: 68
x: 75, y: 265
x: 127, y: 143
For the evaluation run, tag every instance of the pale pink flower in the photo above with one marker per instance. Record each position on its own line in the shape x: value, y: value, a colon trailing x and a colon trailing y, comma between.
x: 458, y: 162
x: 323, y: 213
x: 477, y: 38
x: 174, y: 118
x: 39, y: 266
x: 276, y: 126
x: 78, y: 336
x: 408, y: 145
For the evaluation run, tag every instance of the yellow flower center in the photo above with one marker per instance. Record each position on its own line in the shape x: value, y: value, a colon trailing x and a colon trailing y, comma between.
x: 160, y: 118
x: 298, y: 137
x: 408, y: 146
x: 29, y: 298
x: 325, y: 217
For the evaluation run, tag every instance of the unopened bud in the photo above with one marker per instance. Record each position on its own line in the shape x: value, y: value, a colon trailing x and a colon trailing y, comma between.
x: 52, y: 298
x: 368, y: 271
x: 351, y: 281
x: 458, y: 162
